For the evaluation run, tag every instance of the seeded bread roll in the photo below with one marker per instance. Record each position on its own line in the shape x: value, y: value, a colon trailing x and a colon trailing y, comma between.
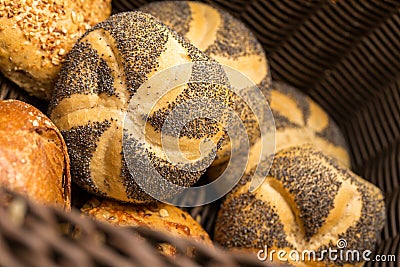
x: 101, y: 77
x: 157, y: 216
x: 33, y: 156
x: 228, y: 41
x: 36, y: 36
x: 298, y: 121
x: 307, y: 202
x: 301, y: 121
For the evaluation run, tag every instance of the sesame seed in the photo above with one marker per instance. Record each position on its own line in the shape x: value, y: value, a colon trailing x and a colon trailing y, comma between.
x: 163, y: 213
x: 38, y: 21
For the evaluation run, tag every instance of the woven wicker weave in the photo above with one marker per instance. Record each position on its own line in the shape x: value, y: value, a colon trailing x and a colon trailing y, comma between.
x: 344, y: 54
x: 8, y: 90
x: 34, y: 235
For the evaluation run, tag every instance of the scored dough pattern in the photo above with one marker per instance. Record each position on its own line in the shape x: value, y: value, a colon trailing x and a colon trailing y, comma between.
x: 228, y: 41
x: 101, y: 74
x: 299, y: 121
x: 324, y: 201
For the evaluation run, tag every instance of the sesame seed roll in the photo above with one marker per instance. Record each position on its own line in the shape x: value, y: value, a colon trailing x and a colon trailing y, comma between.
x: 36, y: 36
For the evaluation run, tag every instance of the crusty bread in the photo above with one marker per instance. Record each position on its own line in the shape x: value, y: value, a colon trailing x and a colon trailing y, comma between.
x: 33, y: 156
x: 301, y: 121
x: 228, y: 41
x: 36, y: 36
x: 157, y: 216
x: 298, y: 121
x: 307, y: 202
x: 98, y: 82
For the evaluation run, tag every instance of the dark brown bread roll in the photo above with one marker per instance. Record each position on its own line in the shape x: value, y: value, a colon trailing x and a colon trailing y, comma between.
x: 33, y: 156
x: 37, y: 35
x: 157, y: 216
x: 307, y: 202
x: 98, y: 82
x: 227, y: 40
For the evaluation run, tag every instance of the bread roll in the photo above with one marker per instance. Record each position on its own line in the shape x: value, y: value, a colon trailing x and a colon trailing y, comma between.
x: 33, y: 156
x: 228, y: 41
x: 101, y: 78
x: 307, y: 202
x: 301, y: 121
x: 157, y: 216
x: 36, y: 36
x: 298, y: 121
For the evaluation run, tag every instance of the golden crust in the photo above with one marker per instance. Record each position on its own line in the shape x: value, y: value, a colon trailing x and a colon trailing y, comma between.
x: 37, y: 35
x: 301, y: 121
x: 307, y: 202
x: 157, y: 216
x: 101, y: 78
x: 33, y: 156
x: 229, y: 42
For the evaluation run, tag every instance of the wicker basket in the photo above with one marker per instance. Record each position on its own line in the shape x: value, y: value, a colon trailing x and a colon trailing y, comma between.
x: 34, y: 235
x: 344, y: 54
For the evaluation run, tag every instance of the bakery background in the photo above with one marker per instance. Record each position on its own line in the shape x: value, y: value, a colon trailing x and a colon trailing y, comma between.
x: 346, y: 56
